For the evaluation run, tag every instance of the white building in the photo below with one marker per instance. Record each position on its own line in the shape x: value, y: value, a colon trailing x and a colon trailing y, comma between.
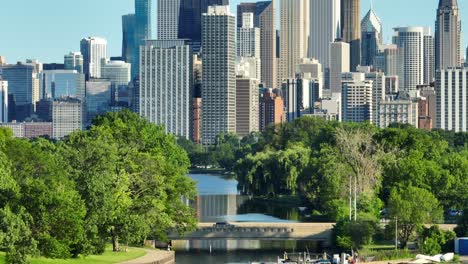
x: 248, y: 67
x: 73, y: 61
x: 67, y: 117
x: 401, y: 111
x: 247, y: 106
x: 294, y: 28
x: 325, y: 28
x: 378, y: 88
x: 452, y: 99
x: 356, y: 98
x: 411, y: 40
x: 248, y: 45
x: 118, y: 72
x: 3, y: 101
x: 340, y: 62
x: 166, y: 85
x: 332, y: 105
x: 168, y: 19
x: 219, y: 76
x: 94, y: 49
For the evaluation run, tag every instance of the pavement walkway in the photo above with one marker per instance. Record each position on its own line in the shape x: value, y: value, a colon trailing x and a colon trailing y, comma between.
x: 154, y: 257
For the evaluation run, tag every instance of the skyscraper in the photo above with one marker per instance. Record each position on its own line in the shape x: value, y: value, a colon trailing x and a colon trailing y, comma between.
x: 325, y: 27
x: 351, y: 29
x: 271, y: 108
x: 247, y: 106
x: 429, y: 60
x: 60, y: 83
x: 371, y: 37
x: 23, y: 87
x: 3, y: 101
x: 67, y: 116
x: 356, y: 101
x: 294, y: 39
x: 447, y: 35
x: 452, y: 99
x: 118, y: 72
x: 128, y: 42
x: 248, y: 44
x: 94, y: 49
x: 143, y: 20
x: 168, y: 19
x: 98, y: 98
x: 74, y: 61
x: 411, y: 40
x: 166, y: 85
x: 190, y: 17
x: 340, y: 62
x: 264, y: 18
x: 219, y: 76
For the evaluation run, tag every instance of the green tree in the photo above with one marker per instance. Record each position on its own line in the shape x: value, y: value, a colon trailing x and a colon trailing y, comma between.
x: 462, y: 227
x: 435, y: 240
x: 413, y: 207
x: 354, y: 234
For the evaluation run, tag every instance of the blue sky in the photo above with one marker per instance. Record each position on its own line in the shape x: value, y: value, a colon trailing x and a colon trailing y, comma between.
x: 47, y: 29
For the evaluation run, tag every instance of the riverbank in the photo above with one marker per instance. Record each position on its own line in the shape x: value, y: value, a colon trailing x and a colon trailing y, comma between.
x: 210, y: 171
x: 154, y: 257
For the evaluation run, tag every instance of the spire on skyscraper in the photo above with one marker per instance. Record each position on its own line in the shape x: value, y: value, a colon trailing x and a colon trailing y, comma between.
x: 449, y: 3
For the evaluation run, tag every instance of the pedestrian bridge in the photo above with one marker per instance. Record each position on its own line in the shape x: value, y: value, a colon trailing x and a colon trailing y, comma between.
x: 260, y: 231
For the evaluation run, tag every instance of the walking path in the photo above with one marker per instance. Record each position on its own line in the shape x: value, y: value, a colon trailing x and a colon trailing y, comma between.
x: 154, y: 257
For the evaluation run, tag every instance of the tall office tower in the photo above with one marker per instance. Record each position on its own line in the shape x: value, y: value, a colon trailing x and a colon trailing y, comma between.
x: 411, y: 40
x: 166, y: 82
x: 23, y: 89
x: 248, y: 43
x: 311, y: 69
x: 73, y: 61
x: 3, y: 101
x: 60, y: 83
x: 351, y: 29
x: 429, y: 59
x: 447, y: 35
x: 143, y: 21
x: 264, y: 18
x: 401, y: 110
x: 389, y: 59
x: 378, y: 88
x: 168, y: 19
x: 296, y: 94
x: 190, y: 19
x: 128, y: 41
x: 325, y: 27
x: 98, y: 98
x: 94, y: 49
x: 118, y: 72
x: 294, y: 35
x: 67, y: 117
x: 452, y: 99
x: 340, y: 62
x: 271, y: 108
x: 247, y: 106
x: 219, y: 76
x: 371, y: 37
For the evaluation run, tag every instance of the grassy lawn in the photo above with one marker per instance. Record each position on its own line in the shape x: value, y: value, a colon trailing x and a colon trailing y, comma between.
x: 107, y: 258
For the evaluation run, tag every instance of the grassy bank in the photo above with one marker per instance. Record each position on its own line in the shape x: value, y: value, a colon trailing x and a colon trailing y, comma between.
x: 108, y: 257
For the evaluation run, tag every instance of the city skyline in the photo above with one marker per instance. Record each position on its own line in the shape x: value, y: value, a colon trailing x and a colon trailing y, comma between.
x: 55, y: 39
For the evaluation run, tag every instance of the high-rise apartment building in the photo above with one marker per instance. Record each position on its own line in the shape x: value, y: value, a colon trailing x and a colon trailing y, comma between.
x: 339, y: 63
x: 67, y: 116
x: 219, y: 76
x: 447, y: 35
x: 271, y: 108
x: 94, y: 49
x: 73, y: 61
x: 411, y: 40
x: 429, y: 59
x: 248, y: 44
x: 325, y: 28
x: 351, y: 29
x: 371, y: 37
x: 378, y: 88
x: 265, y: 19
x: 356, y: 98
x: 168, y: 19
x: 3, y: 101
x: 452, y: 99
x: 399, y: 110
x: 166, y: 85
x: 294, y: 21
x: 247, y: 106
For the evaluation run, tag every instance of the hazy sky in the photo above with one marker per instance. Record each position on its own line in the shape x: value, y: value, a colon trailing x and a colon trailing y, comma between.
x: 47, y: 29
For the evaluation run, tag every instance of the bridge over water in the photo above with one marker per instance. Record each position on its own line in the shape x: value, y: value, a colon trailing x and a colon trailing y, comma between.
x: 261, y: 231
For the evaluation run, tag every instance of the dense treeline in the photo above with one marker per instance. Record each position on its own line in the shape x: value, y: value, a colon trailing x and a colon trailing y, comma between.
x: 121, y: 181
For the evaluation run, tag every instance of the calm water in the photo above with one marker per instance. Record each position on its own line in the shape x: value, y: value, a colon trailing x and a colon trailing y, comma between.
x: 218, y: 201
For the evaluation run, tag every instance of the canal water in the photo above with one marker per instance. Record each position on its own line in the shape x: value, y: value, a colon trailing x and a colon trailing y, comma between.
x: 218, y: 200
